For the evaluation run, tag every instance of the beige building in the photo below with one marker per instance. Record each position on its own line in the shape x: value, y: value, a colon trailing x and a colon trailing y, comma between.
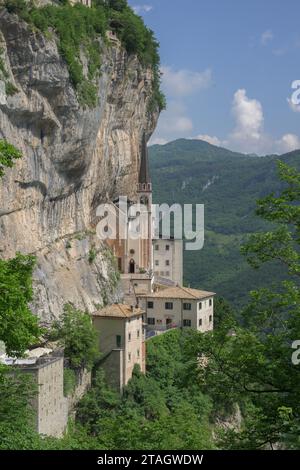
x: 168, y: 260
x: 121, y: 341
x: 50, y: 405
x: 178, y: 307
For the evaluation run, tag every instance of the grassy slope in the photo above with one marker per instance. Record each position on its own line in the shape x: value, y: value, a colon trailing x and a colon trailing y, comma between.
x: 182, y: 172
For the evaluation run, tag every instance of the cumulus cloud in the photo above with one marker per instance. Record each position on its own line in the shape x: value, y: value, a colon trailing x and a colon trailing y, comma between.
x: 288, y: 143
x: 179, y: 83
x: 248, y: 114
x: 213, y: 140
x: 266, y: 37
x: 248, y: 135
x: 138, y: 9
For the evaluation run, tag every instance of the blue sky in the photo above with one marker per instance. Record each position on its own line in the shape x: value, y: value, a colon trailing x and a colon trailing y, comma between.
x: 228, y: 68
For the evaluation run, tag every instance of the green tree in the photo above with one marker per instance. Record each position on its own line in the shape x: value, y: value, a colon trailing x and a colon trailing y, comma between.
x: 75, y: 332
x: 251, y: 364
x: 8, y: 154
x: 18, y: 326
x: 17, y: 391
x: 118, y: 5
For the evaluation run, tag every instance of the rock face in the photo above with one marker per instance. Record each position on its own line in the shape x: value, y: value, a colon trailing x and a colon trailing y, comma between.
x: 73, y: 159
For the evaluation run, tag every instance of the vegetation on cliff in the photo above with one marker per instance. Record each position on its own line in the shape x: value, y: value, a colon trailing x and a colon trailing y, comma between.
x: 79, y: 29
x: 18, y: 326
x: 8, y: 155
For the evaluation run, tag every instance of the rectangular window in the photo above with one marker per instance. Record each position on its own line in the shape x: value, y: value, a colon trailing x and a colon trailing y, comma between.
x: 138, y: 333
x: 200, y: 305
x: 169, y: 305
x: 150, y: 304
x: 187, y: 322
x: 210, y: 318
x: 167, y: 262
x: 156, y: 247
x: 129, y: 357
x: 187, y: 306
x: 200, y: 321
x: 138, y: 353
x: 151, y: 321
x: 167, y: 247
x: 129, y: 336
x: 118, y: 341
x: 156, y: 262
x: 210, y: 302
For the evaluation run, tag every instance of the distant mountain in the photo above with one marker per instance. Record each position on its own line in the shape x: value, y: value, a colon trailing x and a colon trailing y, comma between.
x: 228, y: 183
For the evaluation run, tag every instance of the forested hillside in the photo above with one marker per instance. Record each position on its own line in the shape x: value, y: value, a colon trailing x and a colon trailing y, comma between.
x: 228, y: 184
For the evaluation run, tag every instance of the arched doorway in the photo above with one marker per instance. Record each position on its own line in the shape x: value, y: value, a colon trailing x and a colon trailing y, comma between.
x: 132, y: 266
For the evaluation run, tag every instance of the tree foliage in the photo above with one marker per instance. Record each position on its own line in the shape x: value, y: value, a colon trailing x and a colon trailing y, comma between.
x: 79, y: 29
x: 18, y: 326
x: 8, y: 155
x: 75, y: 332
x: 252, y: 364
x: 155, y: 411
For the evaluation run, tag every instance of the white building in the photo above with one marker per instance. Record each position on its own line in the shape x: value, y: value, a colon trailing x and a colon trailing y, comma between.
x: 168, y: 260
x: 179, y: 307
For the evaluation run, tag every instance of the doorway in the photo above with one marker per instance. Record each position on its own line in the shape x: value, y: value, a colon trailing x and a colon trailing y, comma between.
x: 132, y: 266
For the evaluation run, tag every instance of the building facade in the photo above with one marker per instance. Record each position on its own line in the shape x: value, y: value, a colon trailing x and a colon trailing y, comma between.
x: 168, y: 259
x: 50, y: 405
x: 178, y: 307
x: 121, y: 341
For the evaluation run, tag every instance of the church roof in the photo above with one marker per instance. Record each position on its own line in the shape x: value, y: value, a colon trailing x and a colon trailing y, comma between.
x: 118, y: 311
x: 144, y: 175
x: 181, y: 293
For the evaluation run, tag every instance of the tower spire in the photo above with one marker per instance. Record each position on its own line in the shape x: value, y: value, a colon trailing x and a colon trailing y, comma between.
x: 144, y: 183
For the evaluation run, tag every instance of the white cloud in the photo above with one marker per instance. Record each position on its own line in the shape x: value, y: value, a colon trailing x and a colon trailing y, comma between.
x: 288, y: 143
x: 266, y: 37
x: 173, y: 123
x: 248, y: 135
x: 138, y: 9
x: 158, y: 141
x: 213, y: 140
x: 179, y: 83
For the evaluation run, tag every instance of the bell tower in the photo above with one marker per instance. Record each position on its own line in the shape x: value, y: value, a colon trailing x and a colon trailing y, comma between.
x: 144, y: 194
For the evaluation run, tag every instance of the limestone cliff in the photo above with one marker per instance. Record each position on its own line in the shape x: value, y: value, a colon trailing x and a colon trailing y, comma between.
x: 74, y: 159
